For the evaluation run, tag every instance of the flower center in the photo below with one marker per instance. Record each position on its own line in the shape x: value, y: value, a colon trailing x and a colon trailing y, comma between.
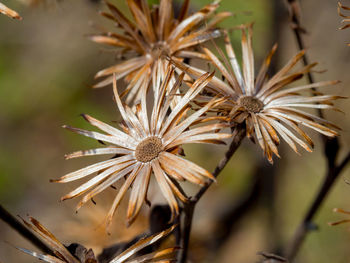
x: 251, y: 103
x: 159, y: 49
x: 148, y: 149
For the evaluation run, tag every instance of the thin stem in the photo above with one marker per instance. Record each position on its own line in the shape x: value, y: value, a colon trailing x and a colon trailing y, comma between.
x: 294, y: 13
x: 189, y: 207
x: 345, y: 161
x: 185, y: 230
x: 331, y: 149
x: 238, y: 136
x: 14, y: 223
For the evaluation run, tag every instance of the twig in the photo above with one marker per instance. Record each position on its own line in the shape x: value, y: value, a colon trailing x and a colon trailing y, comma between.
x: 238, y: 136
x: 294, y: 15
x: 23, y: 231
x: 188, y: 208
x: 331, y: 149
x: 185, y: 230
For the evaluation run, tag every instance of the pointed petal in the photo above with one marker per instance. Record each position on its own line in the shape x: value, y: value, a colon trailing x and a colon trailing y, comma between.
x: 171, y: 135
x: 46, y: 258
x: 121, y: 194
x: 125, y: 23
x: 188, y: 165
x: 107, y: 183
x: 121, y: 164
x: 138, y: 193
x: 102, y: 137
x: 164, y: 187
x: 86, y: 171
x: 124, y: 68
x: 109, y: 129
x: 142, y: 243
x: 98, y: 151
x: 248, y: 61
x: 9, y: 12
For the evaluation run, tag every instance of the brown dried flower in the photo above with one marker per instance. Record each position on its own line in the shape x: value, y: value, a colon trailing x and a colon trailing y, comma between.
x: 149, y: 145
x: 268, y: 110
x: 155, y: 35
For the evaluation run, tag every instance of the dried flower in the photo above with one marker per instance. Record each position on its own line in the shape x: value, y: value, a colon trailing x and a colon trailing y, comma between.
x: 268, y: 110
x: 63, y: 255
x: 9, y: 12
x: 149, y: 144
x: 154, y: 35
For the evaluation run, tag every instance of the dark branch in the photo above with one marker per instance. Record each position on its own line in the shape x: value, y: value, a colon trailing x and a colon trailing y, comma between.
x: 331, y: 149
x: 15, y: 224
x: 188, y: 208
x: 238, y: 136
x: 294, y: 15
x: 186, y: 217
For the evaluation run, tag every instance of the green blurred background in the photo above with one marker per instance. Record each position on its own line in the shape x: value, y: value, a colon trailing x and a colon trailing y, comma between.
x: 47, y: 66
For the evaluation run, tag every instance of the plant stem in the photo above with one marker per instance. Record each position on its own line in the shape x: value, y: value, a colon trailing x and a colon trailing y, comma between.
x: 294, y: 14
x: 331, y: 149
x: 238, y: 136
x: 14, y: 223
x: 185, y: 230
x: 189, y: 207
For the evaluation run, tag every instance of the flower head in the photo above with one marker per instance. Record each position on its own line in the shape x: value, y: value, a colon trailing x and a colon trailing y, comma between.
x: 149, y: 145
x: 268, y: 109
x: 63, y: 255
x: 9, y: 12
x: 155, y: 34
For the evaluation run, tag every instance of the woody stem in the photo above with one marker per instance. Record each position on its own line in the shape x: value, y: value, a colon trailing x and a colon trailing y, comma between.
x: 15, y: 224
x: 189, y: 207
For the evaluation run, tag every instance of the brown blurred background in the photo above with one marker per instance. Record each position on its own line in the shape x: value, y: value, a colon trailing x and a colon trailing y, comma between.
x: 47, y: 66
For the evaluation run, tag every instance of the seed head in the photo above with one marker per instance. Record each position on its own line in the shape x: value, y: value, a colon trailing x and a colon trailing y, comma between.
x: 148, y: 149
x: 251, y: 104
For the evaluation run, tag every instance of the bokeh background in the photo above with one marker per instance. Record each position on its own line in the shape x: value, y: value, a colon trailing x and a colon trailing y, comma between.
x: 47, y: 66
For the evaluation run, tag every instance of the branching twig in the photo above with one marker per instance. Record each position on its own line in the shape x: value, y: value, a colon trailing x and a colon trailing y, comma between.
x: 294, y: 15
x: 331, y: 149
x: 238, y: 136
x: 189, y: 207
x: 23, y: 231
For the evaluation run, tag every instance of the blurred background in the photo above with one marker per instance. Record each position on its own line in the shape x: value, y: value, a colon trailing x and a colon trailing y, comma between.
x: 47, y: 66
